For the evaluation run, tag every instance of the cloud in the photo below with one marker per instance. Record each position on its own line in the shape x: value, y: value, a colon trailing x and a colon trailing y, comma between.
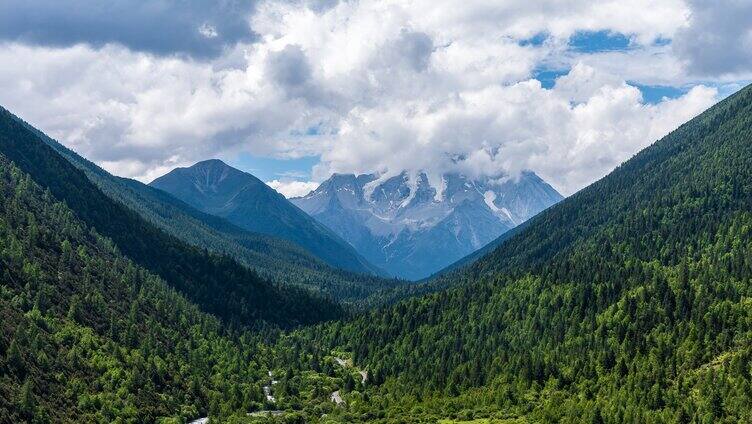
x: 199, y: 28
x: 571, y: 134
x: 289, y: 67
x: 718, y: 39
x: 371, y: 86
x: 410, y: 49
x: 135, y: 112
x: 293, y: 188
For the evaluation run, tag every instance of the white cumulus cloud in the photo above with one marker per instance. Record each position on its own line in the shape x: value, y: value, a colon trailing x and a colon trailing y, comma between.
x: 293, y: 188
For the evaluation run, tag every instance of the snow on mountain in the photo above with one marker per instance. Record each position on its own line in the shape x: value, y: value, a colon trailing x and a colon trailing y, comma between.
x: 412, y: 229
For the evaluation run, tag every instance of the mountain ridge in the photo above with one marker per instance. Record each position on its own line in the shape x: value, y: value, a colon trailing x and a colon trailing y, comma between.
x: 216, y: 188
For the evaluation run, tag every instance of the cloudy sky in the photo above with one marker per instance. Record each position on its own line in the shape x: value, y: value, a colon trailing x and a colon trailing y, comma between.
x: 293, y: 91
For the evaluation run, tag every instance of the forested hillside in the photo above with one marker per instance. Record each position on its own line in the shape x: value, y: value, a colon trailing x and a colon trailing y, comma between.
x: 216, y: 283
x: 273, y: 258
x: 89, y: 336
x: 628, y: 302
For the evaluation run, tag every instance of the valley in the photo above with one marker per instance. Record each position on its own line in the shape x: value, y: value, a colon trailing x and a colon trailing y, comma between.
x: 382, y: 212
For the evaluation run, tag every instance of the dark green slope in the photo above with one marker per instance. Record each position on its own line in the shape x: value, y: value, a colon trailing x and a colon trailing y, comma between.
x: 88, y: 336
x: 218, y: 189
x: 273, y: 258
x: 216, y: 283
x: 627, y: 302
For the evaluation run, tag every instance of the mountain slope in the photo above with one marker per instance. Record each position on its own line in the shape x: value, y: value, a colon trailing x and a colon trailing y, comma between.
x: 90, y: 336
x: 627, y: 302
x: 273, y: 258
x: 216, y: 283
x: 411, y: 229
x: 218, y: 189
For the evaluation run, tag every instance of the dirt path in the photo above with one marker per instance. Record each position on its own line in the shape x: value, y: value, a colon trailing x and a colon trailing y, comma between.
x: 268, y: 389
x: 265, y: 413
x: 269, y: 397
x: 335, y: 396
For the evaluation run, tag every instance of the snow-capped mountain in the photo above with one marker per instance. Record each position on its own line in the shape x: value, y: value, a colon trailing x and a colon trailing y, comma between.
x: 412, y: 229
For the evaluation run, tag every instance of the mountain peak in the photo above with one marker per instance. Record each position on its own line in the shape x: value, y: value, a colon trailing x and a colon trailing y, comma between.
x: 337, y: 179
x: 210, y: 163
x: 208, y: 177
x: 209, y: 166
x: 213, y: 187
x: 218, y: 169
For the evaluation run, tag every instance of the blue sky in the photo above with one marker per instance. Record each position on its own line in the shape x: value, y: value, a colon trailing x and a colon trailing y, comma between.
x: 598, y: 41
x: 268, y: 168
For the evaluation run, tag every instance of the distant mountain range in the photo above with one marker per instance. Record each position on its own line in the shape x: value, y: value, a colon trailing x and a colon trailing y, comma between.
x: 216, y: 188
x: 410, y: 229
